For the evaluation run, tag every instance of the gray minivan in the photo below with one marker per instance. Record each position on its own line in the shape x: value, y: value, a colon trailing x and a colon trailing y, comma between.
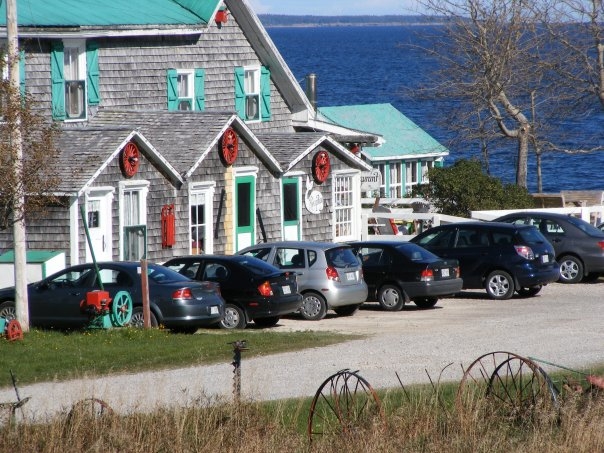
x: 330, y: 275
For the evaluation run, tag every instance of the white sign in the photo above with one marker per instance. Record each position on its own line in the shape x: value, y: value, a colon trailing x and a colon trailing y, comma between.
x: 313, y: 202
x: 371, y: 180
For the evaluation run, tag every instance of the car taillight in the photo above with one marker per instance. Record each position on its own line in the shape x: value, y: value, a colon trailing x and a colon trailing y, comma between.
x: 427, y: 275
x: 601, y: 244
x: 457, y: 272
x: 182, y: 293
x: 265, y: 289
x: 525, y: 252
x: 332, y: 274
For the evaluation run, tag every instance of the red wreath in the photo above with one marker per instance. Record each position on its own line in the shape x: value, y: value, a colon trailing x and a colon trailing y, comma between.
x: 321, y: 166
x: 130, y: 160
x: 229, y: 146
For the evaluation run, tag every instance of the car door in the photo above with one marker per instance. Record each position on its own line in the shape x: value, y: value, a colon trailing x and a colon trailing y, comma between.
x: 376, y: 266
x: 472, y: 249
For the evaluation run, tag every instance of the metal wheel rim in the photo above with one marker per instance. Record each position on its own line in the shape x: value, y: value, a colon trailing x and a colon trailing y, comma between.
x: 8, y: 313
x: 137, y: 319
x: 311, y: 306
x: 390, y: 297
x: 121, y: 308
x: 499, y: 285
x: 569, y: 270
x: 231, y: 318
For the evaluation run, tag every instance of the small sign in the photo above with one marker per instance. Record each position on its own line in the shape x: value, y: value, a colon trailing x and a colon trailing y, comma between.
x: 314, y: 202
x: 371, y: 180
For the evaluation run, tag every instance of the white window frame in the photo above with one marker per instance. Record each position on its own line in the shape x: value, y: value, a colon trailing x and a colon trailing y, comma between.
x: 80, y: 46
x: 352, y: 218
x: 189, y: 86
x: 395, y: 180
x: 411, y: 175
x: 208, y: 190
x: 425, y: 166
x: 252, y: 92
x: 141, y: 186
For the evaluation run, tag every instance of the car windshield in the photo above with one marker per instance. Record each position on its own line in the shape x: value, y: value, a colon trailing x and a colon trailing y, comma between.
x: 584, y: 226
x: 256, y: 266
x: 415, y: 252
x: 161, y: 274
x: 341, y: 257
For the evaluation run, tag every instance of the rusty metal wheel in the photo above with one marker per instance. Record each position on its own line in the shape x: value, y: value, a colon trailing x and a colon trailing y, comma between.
x: 344, y: 402
x: 14, y: 331
x: 505, y: 384
x: 90, y: 408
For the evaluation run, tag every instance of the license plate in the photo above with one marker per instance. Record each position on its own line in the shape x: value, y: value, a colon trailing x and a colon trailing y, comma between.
x: 544, y: 258
x: 214, y: 310
x: 351, y: 276
x: 444, y: 272
x: 286, y: 290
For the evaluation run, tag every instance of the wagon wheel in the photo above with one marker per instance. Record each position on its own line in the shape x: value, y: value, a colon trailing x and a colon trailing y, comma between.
x: 121, y: 309
x: 90, y: 408
x: 505, y: 384
x: 343, y: 402
x: 14, y: 331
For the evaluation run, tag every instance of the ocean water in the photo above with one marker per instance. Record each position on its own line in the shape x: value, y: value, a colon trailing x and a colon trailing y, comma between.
x: 362, y: 65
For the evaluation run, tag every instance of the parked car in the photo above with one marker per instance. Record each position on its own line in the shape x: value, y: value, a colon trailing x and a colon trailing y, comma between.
x: 397, y: 271
x: 499, y: 257
x: 175, y: 301
x: 579, y: 245
x: 329, y: 275
x: 253, y: 290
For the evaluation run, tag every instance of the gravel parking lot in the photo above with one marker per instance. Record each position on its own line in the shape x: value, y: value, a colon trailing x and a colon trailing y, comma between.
x: 563, y: 325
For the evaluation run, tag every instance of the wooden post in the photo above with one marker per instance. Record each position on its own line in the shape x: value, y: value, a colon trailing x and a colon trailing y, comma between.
x: 145, y: 293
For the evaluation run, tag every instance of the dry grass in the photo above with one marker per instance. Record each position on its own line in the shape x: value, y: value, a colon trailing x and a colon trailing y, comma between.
x: 419, y: 421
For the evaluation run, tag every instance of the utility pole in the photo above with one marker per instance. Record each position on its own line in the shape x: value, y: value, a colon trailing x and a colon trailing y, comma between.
x: 16, y: 140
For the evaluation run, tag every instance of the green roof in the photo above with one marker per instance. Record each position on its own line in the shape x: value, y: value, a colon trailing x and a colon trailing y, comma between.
x: 73, y: 13
x: 32, y: 256
x: 403, y: 138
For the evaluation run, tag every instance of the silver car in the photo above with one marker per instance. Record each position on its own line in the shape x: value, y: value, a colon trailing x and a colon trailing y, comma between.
x: 329, y: 274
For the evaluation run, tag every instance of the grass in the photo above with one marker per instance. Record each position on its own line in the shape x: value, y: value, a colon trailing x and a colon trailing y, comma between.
x: 45, y: 355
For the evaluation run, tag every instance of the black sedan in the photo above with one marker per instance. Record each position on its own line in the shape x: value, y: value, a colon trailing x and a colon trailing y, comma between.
x: 253, y: 289
x: 175, y: 301
x: 396, y: 272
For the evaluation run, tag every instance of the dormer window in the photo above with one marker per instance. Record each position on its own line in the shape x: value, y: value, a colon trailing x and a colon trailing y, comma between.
x: 253, y: 93
x: 186, y: 89
x: 74, y: 67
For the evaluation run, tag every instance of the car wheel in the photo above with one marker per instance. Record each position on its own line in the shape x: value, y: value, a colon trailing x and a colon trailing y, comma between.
x: 137, y: 320
x: 234, y: 317
x: 530, y: 291
x: 571, y: 269
x: 425, y: 302
x: 391, y: 298
x: 8, y: 311
x: 499, y: 285
x: 346, y: 310
x: 314, y: 307
x: 271, y: 321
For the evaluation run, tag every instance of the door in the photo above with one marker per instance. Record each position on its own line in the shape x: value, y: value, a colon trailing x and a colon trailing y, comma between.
x: 98, y: 218
x: 245, y: 207
x: 291, y: 209
x: 200, y: 217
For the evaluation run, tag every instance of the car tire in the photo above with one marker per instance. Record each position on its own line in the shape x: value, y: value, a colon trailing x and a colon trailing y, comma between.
x: 270, y: 321
x: 8, y: 310
x: 530, y: 291
x: 347, y: 310
x: 391, y: 298
x: 425, y: 302
x: 314, y: 307
x: 499, y: 285
x: 138, y: 321
x: 234, y: 317
x: 571, y: 269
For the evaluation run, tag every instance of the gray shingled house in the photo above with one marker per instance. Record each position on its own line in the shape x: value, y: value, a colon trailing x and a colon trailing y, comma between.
x: 183, y: 131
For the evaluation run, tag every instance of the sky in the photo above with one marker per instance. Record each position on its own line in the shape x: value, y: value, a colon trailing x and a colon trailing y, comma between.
x: 335, y: 7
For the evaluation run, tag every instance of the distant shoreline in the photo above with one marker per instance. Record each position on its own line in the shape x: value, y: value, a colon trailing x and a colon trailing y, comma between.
x: 309, y: 21
x: 347, y: 24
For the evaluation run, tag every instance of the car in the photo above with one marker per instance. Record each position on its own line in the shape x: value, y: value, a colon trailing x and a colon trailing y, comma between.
x: 330, y: 277
x: 175, y: 302
x: 399, y: 271
x: 252, y: 289
x: 500, y: 257
x: 579, y: 246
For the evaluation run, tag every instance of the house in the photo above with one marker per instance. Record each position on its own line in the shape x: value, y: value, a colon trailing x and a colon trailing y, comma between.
x: 404, y: 153
x: 184, y: 131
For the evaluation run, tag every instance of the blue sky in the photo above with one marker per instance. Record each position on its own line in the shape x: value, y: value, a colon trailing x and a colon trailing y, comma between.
x: 335, y: 7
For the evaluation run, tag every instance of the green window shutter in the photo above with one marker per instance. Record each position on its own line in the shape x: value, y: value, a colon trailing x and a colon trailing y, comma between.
x: 57, y: 80
x: 22, y: 73
x: 200, y: 96
x: 240, y: 92
x: 92, y: 66
x: 172, y: 87
x: 265, y: 94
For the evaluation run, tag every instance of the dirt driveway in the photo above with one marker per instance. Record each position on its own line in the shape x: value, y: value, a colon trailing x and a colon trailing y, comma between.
x: 563, y: 325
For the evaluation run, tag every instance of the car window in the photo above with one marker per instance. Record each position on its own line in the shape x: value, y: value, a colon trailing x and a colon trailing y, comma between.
x: 341, y: 257
x: 161, y: 274
x: 215, y: 271
x: 437, y: 239
x: 312, y: 257
x: 504, y: 238
x: 76, y: 278
x: 584, y: 226
x: 532, y: 236
x: 547, y: 226
x: 288, y: 258
x: 114, y: 277
x: 415, y: 252
x: 261, y: 253
x: 371, y: 256
x: 187, y: 268
x: 472, y: 237
x: 255, y: 266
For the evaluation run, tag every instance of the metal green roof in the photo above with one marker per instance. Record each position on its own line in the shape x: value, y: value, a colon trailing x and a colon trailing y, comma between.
x: 73, y: 13
x: 32, y: 256
x: 403, y: 138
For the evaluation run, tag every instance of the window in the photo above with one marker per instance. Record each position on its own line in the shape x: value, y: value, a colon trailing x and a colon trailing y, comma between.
x: 343, y: 206
x: 426, y: 165
x: 133, y: 202
x: 74, y: 73
x: 198, y: 222
x: 186, y: 89
x: 411, y: 176
x: 396, y: 180
x: 252, y: 93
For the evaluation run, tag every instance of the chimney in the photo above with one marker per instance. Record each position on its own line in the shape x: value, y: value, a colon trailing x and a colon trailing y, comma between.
x: 311, y: 89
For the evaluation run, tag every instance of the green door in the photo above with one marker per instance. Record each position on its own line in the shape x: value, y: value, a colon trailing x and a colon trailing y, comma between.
x: 245, y: 207
x: 291, y: 209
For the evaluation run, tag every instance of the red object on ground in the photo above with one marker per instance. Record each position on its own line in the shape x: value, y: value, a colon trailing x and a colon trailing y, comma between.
x: 597, y: 381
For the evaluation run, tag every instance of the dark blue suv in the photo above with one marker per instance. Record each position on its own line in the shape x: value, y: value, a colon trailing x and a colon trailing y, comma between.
x: 500, y: 257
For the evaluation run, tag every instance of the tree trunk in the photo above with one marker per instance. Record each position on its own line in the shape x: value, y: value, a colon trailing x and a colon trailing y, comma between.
x: 523, y: 147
